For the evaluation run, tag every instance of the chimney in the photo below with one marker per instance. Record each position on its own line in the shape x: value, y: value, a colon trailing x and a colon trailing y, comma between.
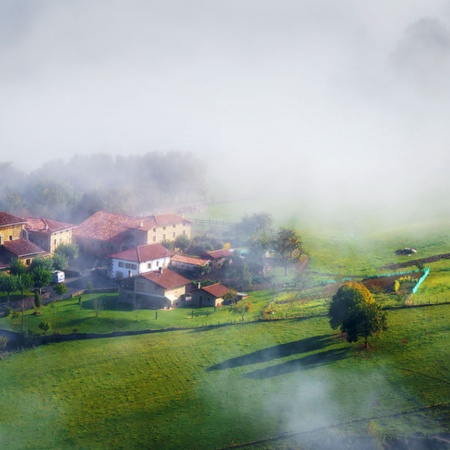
x: 199, y: 285
x: 141, y: 224
x: 161, y: 270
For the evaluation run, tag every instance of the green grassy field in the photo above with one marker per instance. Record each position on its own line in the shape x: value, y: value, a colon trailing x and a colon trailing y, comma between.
x: 212, y: 388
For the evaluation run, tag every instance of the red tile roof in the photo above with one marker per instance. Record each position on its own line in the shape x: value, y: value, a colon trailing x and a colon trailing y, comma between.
x: 108, y: 226
x: 166, y: 279
x: 144, y: 253
x: 22, y: 248
x: 218, y: 254
x: 46, y: 225
x: 218, y: 290
x: 189, y: 260
x: 9, y: 219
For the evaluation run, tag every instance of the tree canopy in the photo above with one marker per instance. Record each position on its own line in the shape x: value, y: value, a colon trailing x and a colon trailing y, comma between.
x: 355, y: 313
x: 287, y: 247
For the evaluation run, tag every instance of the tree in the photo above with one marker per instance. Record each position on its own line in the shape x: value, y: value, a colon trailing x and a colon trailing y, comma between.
x: 60, y: 261
x: 355, y: 313
x: 40, y: 277
x: 287, y: 247
x: 68, y: 250
x: 182, y: 242
x: 242, y: 307
x: 17, y: 267
x: 23, y: 282
x: 41, y: 262
x: 7, y: 284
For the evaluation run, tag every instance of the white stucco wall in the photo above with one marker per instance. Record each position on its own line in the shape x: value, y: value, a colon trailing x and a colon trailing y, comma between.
x: 121, y: 268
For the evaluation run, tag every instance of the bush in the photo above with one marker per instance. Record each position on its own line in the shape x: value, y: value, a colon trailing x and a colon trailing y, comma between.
x: 60, y: 288
x: 44, y: 326
x: 37, y: 300
x: 8, y: 311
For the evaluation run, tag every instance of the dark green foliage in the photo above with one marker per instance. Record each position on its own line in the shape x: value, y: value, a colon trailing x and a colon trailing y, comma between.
x: 8, y: 311
x: 40, y: 277
x: 37, y: 300
x: 242, y: 307
x: 168, y: 244
x: 60, y: 288
x: 44, y: 326
x: 354, y: 312
x: 182, y: 242
x: 60, y: 262
x: 7, y: 284
x: 69, y: 251
x: 41, y: 262
x: 17, y: 267
x: 201, y: 244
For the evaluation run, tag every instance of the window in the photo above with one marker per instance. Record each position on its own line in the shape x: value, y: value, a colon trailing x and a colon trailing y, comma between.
x: 157, y: 263
x: 154, y: 238
x: 28, y: 262
x: 174, y: 225
x: 164, y: 237
x: 154, y: 230
x: 10, y: 238
x: 54, y: 241
x: 164, y: 228
x: 173, y: 235
x: 121, y: 264
x: 149, y: 265
x: 184, y: 232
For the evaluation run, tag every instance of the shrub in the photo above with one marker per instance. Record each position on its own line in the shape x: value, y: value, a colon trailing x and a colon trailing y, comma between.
x: 44, y: 326
x: 60, y: 288
x: 8, y: 311
x: 37, y: 299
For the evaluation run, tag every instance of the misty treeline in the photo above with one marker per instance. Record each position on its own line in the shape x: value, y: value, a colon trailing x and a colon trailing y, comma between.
x: 72, y: 190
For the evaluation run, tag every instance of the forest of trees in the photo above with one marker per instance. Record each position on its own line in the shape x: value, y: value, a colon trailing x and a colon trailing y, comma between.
x: 72, y: 190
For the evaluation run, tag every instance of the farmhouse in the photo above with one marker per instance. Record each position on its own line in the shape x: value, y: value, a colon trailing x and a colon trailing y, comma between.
x: 106, y: 233
x: 48, y: 234
x: 189, y: 263
x: 154, y: 290
x: 14, y: 243
x: 137, y: 260
x: 218, y: 257
x: 211, y: 295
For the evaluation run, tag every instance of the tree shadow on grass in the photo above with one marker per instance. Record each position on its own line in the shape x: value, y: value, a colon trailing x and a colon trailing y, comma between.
x: 277, y: 352
x: 307, y: 362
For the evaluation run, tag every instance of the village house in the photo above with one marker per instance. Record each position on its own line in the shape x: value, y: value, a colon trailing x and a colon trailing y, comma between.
x: 190, y: 264
x: 212, y: 295
x: 154, y: 290
x: 106, y: 233
x: 137, y: 260
x: 14, y: 243
x: 48, y: 234
x: 218, y: 257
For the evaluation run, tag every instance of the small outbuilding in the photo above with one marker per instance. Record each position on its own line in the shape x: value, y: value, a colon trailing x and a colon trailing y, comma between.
x: 212, y: 295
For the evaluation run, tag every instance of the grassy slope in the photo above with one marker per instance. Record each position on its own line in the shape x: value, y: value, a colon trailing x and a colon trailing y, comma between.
x: 212, y: 388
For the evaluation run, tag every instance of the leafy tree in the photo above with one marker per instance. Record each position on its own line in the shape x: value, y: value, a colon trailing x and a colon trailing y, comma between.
x: 242, y: 307
x: 41, y: 262
x: 17, y: 267
x: 355, y: 313
x: 287, y: 248
x: 182, y: 242
x: 168, y: 244
x: 40, y: 277
x: 98, y: 305
x: 251, y: 227
x: 60, y: 261
x: 7, y: 284
x: 68, y: 250
x: 23, y: 282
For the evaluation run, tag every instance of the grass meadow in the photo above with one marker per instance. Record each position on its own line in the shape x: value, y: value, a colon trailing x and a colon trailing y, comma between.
x: 212, y: 381
x: 222, y: 386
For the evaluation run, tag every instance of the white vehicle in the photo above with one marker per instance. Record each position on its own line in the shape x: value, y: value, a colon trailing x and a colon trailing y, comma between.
x: 58, y: 276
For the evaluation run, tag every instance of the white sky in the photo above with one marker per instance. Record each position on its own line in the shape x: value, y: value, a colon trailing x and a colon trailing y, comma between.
x: 344, y: 97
